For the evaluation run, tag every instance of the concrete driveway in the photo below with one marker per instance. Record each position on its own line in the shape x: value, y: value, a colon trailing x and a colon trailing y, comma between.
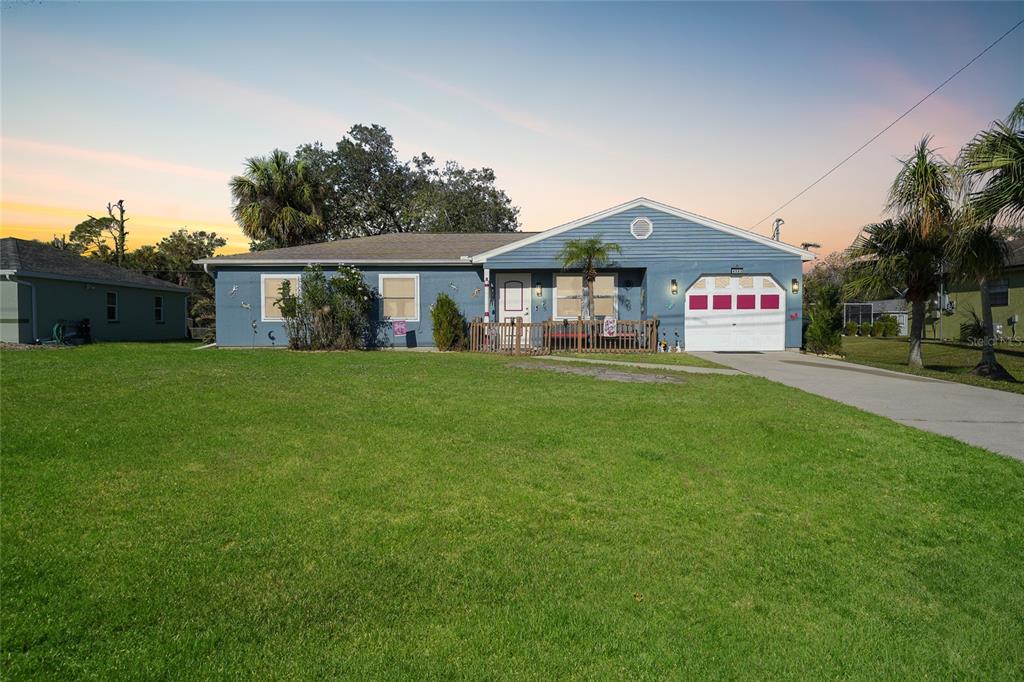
x: 980, y: 416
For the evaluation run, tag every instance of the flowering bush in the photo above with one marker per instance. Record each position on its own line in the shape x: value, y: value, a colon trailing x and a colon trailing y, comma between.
x: 327, y: 312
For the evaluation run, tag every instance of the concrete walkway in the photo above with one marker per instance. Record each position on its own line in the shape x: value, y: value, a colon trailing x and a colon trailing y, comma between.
x: 643, y: 365
x: 980, y: 416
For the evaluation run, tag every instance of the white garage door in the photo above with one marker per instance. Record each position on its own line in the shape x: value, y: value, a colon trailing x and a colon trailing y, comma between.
x: 735, y: 312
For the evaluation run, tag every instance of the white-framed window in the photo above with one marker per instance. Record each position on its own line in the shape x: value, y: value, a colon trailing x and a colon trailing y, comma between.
x: 270, y: 288
x: 568, y: 297
x: 400, y: 297
x: 999, y: 293
x: 158, y: 308
x: 641, y: 228
x: 570, y: 291
x: 112, y: 306
x: 606, y: 296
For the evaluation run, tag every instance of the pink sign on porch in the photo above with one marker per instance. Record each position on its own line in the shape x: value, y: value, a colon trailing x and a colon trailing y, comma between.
x: 610, y: 324
x: 400, y: 327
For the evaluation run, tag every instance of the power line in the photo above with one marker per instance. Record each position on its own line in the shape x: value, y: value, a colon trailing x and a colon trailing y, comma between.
x: 883, y: 130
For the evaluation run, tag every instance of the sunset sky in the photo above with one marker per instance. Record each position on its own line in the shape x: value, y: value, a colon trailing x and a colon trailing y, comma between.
x: 726, y: 110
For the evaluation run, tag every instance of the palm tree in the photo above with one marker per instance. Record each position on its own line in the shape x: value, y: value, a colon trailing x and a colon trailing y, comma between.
x: 898, y: 254
x: 277, y: 202
x: 979, y: 250
x: 920, y: 199
x: 993, y: 168
x: 587, y: 255
x: 995, y: 160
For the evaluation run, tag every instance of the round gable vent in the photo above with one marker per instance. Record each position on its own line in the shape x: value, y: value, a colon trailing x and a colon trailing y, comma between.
x: 641, y: 228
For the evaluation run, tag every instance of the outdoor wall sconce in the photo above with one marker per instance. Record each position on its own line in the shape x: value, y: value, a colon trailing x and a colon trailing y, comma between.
x: 795, y: 284
x: 540, y: 290
x: 675, y: 287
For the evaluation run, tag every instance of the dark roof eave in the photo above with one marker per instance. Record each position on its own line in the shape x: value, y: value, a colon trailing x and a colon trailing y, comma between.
x: 167, y: 286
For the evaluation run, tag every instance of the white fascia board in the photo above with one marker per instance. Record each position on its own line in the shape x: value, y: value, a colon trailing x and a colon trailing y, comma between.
x: 658, y: 206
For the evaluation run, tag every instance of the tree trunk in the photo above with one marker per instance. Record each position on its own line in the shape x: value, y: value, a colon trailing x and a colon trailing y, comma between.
x: 989, y: 366
x: 118, y: 230
x: 588, y: 309
x: 914, y: 360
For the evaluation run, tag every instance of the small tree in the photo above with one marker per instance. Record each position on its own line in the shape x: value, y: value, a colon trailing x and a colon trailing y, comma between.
x: 588, y: 255
x: 327, y: 312
x: 449, y: 324
x: 825, y: 314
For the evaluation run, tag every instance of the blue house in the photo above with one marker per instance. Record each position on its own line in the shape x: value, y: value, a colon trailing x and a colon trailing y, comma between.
x: 711, y: 286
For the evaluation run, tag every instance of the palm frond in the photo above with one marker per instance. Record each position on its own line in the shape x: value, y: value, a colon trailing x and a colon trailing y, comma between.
x: 923, y: 188
x: 995, y: 159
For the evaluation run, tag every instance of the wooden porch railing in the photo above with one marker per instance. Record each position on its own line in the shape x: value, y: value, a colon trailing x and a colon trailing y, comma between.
x: 563, y: 336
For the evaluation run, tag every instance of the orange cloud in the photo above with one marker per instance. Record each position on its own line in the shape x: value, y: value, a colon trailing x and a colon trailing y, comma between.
x: 40, y: 221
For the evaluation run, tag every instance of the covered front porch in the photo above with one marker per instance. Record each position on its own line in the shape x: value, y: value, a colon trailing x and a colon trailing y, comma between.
x: 544, y: 311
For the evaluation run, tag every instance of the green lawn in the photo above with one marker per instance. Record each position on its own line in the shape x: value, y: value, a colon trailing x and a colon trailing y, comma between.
x: 654, y: 358
x: 170, y: 513
x: 942, y: 360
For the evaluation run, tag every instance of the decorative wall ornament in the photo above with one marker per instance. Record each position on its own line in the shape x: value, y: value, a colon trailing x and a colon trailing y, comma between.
x: 476, y: 292
x: 233, y: 291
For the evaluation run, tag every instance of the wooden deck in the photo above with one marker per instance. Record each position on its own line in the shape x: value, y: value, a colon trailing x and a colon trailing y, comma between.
x: 563, y: 336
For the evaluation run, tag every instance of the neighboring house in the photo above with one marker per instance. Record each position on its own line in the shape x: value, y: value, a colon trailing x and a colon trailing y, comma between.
x: 41, y: 286
x: 712, y: 286
x: 1006, y: 294
x: 868, y: 312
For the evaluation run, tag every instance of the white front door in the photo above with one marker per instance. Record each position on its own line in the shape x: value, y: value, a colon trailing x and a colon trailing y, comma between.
x: 513, y: 296
x: 735, y: 313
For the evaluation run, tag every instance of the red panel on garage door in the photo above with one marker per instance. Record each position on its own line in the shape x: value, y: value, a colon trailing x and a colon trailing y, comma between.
x: 698, y: 303
x: 722, y: 302
x: 769, y: 301
x: 745, y: 302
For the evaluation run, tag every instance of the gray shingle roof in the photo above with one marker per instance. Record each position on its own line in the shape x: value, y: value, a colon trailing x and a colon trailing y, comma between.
x: 405, y: 246
x: 30, y: 258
